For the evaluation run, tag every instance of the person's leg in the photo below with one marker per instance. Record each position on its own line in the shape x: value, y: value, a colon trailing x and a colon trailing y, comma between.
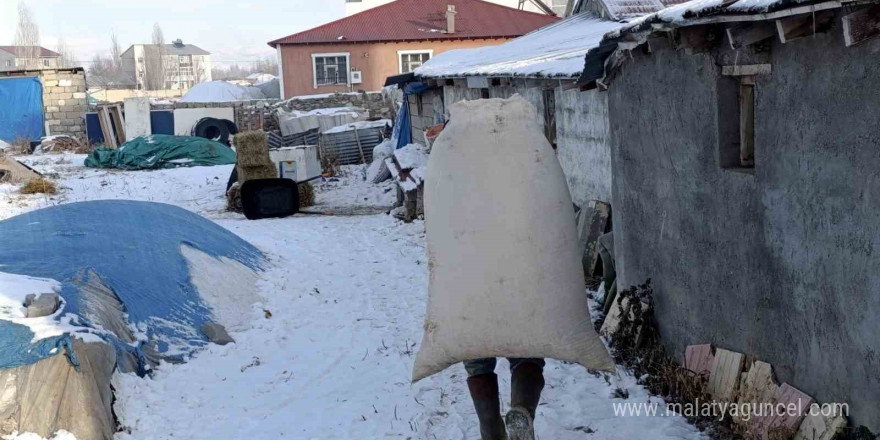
x: 483, y: 385
x: 526, y: 384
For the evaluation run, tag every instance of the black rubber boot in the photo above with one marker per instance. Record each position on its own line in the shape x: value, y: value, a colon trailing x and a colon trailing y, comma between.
x: 484, y: 393
x: 526, y: 385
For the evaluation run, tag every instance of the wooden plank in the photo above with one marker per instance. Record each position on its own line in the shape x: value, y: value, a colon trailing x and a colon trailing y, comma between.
x: 592, y: 225
x: 747, y: 70
x: 107, y: 128
x: 861, y: 25
x: 746, y: 34
x: 724, y: 379
x: 820, y: 427
x: 792, y: 28
x: 357, y: 139
x: 116, y: 114
x: 787, y: 397
x: 757, y: 387
x: 699, y: 358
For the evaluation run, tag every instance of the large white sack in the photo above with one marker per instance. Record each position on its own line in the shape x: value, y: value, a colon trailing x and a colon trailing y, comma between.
x: 506, y: 278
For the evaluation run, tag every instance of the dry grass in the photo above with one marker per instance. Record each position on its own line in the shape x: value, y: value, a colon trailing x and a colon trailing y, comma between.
x: 306, y: 195
x: 39, y: 186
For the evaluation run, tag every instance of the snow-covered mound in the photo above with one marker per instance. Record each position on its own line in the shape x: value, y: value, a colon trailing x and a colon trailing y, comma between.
x: 221, y: 91
x: 139, y: 275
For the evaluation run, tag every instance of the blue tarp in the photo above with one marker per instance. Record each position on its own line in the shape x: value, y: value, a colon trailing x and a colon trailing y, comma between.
x: 134, y: 248
x: 21, y: 109
x: 402, y: 126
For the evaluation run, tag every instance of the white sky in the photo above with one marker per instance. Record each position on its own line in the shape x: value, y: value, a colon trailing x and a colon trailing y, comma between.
x: 233, y: 31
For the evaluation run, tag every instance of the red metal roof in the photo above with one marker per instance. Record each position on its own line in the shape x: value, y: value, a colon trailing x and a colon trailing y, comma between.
x: 43, y: 51
x: 407, y: 20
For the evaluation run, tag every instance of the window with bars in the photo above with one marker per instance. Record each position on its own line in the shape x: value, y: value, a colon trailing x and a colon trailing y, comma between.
x: 331, y: 70
x: 411, y: 61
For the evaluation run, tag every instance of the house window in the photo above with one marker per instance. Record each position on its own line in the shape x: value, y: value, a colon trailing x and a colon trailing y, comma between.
x: 410, y: 60
x: 45, y: 63
x: 736, y: 122
x: 330, y: 69
x: 8, y: 63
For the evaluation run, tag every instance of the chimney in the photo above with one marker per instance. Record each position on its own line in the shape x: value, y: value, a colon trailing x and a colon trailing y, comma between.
x: 450, y: 19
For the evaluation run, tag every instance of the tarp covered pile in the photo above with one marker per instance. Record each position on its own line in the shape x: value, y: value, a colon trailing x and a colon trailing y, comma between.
x: 162, y: 151
x: 132, y: 279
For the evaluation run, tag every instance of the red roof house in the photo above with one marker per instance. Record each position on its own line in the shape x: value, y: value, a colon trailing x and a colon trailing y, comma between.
x: 358, y: 52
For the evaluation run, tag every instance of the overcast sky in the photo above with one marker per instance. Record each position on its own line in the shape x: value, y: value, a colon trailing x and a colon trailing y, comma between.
x: 233, y: 31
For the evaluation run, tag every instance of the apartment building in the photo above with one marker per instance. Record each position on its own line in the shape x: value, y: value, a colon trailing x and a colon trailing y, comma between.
x: 182, y: 65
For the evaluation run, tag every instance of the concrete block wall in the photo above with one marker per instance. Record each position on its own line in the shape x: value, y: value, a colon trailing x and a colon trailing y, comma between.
x: 64, y: 102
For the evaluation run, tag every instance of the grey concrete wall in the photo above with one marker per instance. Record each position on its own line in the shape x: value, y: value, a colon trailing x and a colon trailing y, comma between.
x: 582, y: 144
x: 581, y: 134
x: 778, y: 264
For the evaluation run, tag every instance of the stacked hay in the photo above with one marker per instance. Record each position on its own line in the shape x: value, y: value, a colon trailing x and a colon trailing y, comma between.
x: 306, y: 195
x: 252, y: 162
x: 252, y: 148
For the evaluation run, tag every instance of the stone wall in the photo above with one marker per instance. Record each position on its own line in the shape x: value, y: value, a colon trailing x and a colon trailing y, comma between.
x: 64, y: 101
x: 375, y: 102
x: 777, y: 262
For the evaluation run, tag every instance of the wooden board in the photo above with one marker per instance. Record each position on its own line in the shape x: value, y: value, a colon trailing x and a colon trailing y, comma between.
x: 724, y: 380
x: 862, y: 25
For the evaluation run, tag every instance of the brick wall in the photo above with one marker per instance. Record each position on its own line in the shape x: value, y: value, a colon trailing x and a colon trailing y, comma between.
x: 64, y: 101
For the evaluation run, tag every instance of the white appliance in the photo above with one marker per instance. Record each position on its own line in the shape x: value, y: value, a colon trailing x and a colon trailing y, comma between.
x: 296, y: 163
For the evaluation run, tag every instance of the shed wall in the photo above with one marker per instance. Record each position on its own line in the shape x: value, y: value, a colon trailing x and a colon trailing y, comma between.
x: 778, y: 264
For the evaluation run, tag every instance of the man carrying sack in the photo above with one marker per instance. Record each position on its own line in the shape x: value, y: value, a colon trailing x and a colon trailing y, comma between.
x: 506, y: 278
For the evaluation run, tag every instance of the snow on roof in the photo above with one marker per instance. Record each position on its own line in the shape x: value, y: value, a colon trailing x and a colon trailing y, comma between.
x: 360, y: 125
x: 624, y: 9
x: 221, y: 91
x: 557, y: 50
x: 684, y: 14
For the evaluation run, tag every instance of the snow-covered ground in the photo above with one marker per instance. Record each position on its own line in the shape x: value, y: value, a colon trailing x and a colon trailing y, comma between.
x: 329, y: 351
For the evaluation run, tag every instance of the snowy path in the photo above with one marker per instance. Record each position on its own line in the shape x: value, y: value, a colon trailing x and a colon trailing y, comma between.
x: 347, y: 298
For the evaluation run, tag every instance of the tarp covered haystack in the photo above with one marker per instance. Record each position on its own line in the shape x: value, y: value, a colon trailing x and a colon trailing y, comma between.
x: 162, y: 151
x: 133, y: 281
x: 506, y: 276
x: 221, y: 91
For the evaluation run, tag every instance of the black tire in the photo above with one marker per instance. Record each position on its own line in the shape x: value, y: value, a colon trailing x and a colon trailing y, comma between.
x: 213, y: 129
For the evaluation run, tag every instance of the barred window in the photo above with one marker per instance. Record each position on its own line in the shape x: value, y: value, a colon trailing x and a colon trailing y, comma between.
x: 331, y: 70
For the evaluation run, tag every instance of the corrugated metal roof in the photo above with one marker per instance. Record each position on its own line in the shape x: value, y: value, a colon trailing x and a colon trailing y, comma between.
x: 406, y: 20
x: 557, y: 50
x: 43, y: 51
x: 624, y: 9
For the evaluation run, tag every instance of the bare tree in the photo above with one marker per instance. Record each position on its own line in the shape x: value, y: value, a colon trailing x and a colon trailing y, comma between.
x: 155, y: 58
x: 68, y: 57
x: 27, y: 38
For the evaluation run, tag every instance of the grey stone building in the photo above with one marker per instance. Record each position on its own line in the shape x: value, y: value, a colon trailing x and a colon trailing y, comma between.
x: 745, y: 149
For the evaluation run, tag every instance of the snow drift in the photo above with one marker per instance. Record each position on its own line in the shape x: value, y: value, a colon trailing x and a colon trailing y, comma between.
x: 505, y: 275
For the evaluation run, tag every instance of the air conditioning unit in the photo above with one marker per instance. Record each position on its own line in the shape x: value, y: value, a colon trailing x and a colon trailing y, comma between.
x: 356, y: 77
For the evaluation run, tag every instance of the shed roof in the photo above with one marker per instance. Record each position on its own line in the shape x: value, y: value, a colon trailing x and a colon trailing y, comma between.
x: 43, y: 51
x: 409, y: 20
x: 557, y: 50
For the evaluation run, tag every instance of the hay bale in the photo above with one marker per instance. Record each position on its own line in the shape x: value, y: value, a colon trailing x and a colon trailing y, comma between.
x: 253, y: 162
x: 306, y: 195
x: 39, y: 186
x: 252, y: 148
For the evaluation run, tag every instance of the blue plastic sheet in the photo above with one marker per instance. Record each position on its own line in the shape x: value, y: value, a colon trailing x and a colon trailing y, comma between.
x: 21, y: 109
x: 134, y: 247
x: 402, y: 126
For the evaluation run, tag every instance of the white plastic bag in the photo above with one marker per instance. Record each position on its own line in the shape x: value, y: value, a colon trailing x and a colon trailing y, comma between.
x: 506, y: 278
